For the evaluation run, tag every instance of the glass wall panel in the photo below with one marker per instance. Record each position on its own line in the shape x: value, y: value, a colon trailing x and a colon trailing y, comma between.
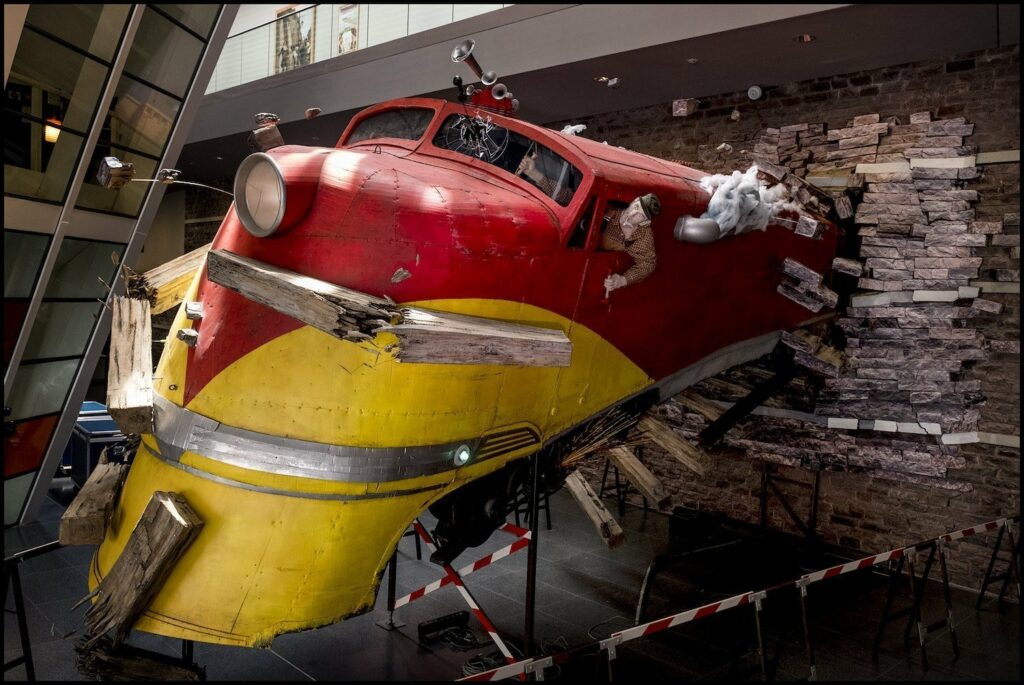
x: 41, y: 388
x: 80, y: 265
x: 466, y: 11
x: 199, y: 18
x: 61, y: 329
x: 52, y: 82
x: 387, y: 22
x: 257, y: 54
x: 15, y: 492
x: 128, y: 200
x: 93, y: 28
x: 425, y: 17
x: 140, y: 117
x: 34, y: 167
x: 23, y: 255
x: 163, y: 54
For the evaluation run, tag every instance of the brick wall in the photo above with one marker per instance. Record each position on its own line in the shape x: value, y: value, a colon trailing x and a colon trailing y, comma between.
x: 858, y: 510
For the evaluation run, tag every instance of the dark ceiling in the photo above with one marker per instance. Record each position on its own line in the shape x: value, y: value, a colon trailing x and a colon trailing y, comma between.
x: 848, y: 39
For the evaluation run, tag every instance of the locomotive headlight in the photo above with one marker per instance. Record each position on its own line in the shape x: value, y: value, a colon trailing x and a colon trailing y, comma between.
x: 260, y: 194
x: 462, y: 454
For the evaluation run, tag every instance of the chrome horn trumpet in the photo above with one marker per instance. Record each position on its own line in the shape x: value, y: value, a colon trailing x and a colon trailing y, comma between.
x: 499, y: 91
x: 463, y: 52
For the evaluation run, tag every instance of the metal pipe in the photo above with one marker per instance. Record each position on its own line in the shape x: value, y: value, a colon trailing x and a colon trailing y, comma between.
x: 531, y: 559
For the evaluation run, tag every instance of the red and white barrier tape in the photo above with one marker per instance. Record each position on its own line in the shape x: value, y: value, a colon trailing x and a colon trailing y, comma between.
x: 956, y: 535
x: 524, y: 540
x: 477, y: 611
x: 609, y: 644
x: 852, y: 566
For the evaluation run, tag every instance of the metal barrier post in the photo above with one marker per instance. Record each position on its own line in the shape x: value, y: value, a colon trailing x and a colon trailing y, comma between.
x: 19, y: 607
x: 808, y: 645
x: 531, y: 559
x: 390, y: 623
x: 762, y: 655
x: 949, y: 623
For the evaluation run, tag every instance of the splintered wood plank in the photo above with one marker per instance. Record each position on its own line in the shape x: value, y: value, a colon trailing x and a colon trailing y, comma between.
x: 164, y: 531
x: 165, y: 285
x: 691, y: 456
x: 106, y: 663
x: 443, y: 338
x: 424, y: 336
x: 607, y: 527
x: 85, y: 520
x: 641, y: 477
x: 130, y: 371
x: 699, y: 405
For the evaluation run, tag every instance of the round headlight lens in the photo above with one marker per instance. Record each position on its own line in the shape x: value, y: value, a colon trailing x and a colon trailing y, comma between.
x: 462, y: 454
x: 259, y: 194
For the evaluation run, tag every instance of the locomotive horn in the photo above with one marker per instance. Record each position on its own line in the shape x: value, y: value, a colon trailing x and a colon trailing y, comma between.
x: 500, y: 91
x: 463, y: 52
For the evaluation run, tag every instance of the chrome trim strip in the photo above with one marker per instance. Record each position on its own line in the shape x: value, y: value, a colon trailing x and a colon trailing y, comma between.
x: 290, y: 493
x: 179, y: 430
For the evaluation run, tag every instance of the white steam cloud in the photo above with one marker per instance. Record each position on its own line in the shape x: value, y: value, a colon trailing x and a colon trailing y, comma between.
x: 574, y: 129
x: 740, y: 202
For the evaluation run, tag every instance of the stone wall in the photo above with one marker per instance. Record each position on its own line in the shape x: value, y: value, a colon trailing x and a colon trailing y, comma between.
x: 884, y: 489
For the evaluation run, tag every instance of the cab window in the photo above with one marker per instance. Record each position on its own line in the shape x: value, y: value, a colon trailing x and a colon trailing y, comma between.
x: 512, y: 152
x: 409, y: 123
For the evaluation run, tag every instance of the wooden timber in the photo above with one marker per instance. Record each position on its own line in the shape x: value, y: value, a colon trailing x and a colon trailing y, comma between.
x: 130, y: 371
x: 641, y: 477
x: 691, y: 456
x: 85, y: 520
x: 698, y: 404
x: 165, y: 530
x: 104, y: 662
x: 607, y: 527
x: 165, y: 285
x: 423, y: 336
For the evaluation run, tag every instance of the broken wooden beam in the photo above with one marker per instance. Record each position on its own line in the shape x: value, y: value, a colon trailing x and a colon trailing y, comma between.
x: 784, y: 373
x: 607, y: 527
x: 423, y: 336
x: 641, y: 477
x: 690, y: 456
x: 165, y: 285
x: 85, y: 520
x: 104, y: 662
x: 165, y: 530
x: 444, y: 338
x: 130, y: 369
x: 698, y: 404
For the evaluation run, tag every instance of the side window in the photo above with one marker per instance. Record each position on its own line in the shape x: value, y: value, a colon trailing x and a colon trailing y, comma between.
x: 578, y: 237
x: 611, y: 212
x: 408, y: 124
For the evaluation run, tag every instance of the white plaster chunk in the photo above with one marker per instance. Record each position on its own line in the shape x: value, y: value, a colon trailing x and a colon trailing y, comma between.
x: 882, y: 168
x: 936, y: 295
x: 1002, y: 439
x: 960, y: 438
x: 943, y: 162
x: 844, y: 424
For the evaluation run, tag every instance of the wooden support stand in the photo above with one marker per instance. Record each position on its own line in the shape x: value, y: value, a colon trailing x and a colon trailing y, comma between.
x: 607, y: 527
x: 165, y: 530
x: 130, y: 377
x: 105, y: 662
x: 85, y: 520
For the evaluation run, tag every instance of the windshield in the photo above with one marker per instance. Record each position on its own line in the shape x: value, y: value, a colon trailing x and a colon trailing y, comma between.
x: 408, y: 124
x: 513, y: 152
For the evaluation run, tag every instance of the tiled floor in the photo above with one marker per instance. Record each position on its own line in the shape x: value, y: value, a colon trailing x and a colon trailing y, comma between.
x: 584, y: 591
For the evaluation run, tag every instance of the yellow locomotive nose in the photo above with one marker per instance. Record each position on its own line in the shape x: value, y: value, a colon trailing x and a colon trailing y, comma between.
x: 308, y: 458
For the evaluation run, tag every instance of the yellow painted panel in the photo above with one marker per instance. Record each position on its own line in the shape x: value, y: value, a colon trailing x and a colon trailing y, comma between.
x: 265, y: 563
x: 311, y: 386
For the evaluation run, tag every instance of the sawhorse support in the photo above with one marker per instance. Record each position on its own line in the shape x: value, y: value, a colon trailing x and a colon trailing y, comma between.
x: 917, y: 589
x: 1012, y: 571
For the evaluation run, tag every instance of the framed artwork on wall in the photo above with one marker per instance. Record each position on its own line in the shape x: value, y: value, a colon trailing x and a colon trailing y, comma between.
x: 293, y: 38
x: 348, y: 28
